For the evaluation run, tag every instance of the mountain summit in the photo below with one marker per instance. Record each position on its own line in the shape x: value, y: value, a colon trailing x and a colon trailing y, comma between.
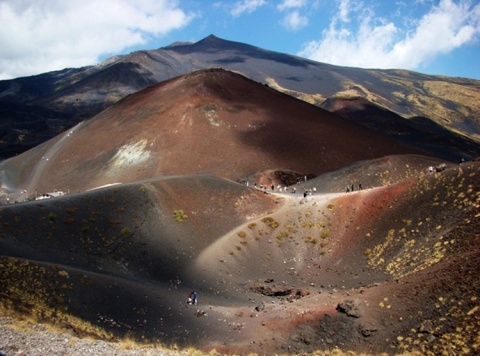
x: 301, y: 230
x: 36, y: 108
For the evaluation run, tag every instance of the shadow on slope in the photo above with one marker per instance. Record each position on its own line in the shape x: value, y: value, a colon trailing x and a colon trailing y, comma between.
x: 212, y: 122
x: 112, y: 262
x: 424, y: 133
x: 376, y: 270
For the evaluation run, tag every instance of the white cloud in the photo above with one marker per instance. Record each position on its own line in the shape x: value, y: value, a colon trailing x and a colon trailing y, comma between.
x: 290, y: 4
x: 344, y: 10
x: 294, y: 21
x: 379, y: 43
x: 246, y: 6
x: 345, y: 7
x: 40, y: 36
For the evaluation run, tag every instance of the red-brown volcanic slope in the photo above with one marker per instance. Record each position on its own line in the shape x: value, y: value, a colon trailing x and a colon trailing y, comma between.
x: 392, y: 268
x: 214, y: 122
x: 402, y: 257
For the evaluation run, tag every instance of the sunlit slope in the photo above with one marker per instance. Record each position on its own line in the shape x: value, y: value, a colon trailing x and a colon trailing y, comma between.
x: 210, y: 122
x: 273, y: 271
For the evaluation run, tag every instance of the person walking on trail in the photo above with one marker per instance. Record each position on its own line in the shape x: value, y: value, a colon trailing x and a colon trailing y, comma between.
x: 192, y: 298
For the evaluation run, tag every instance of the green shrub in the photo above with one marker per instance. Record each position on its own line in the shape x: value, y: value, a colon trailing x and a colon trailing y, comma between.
x: 270, y: 222
x: 179, y: 215
x: 126, y: 232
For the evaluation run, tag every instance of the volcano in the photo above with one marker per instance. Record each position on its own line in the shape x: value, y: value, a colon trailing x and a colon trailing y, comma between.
x: 300, y: 230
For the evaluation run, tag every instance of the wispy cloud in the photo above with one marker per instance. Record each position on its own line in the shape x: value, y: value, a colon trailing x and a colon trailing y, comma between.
x: 291, y: 4
x: 293, y: 19
x: 344, y: 10
x: 39, y: 36
x: 369, y: 41
x: 247, y: 6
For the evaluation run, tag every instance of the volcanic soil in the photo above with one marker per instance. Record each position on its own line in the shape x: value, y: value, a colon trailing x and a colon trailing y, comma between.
x: 212, y: 122
x: 389, y: 268
x: 171, y: 191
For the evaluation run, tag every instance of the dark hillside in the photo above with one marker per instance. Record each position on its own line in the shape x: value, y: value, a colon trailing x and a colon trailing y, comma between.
x: 424, y: 133
x: 389, y: 269
x: 78, y: 94
x: 90, y: 260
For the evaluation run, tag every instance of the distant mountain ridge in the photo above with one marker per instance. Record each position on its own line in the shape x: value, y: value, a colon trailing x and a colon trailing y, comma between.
x: 33, y: 109
x: 303, y: 230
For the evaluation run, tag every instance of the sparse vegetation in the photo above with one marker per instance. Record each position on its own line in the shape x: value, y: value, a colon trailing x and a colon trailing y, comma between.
x: 420, y: 230
x: 270, y: 222
x: 179, y: 215
x: 126, y: 232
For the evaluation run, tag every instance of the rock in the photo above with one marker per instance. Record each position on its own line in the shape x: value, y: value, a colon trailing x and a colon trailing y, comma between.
x: 348, y: 307
x: 426, y: 327
x: 200, y: 312
x: 366, y: 332
x: 260, y: 307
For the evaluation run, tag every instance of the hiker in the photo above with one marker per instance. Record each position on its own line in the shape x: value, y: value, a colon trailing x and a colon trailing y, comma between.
x: 192, y: 298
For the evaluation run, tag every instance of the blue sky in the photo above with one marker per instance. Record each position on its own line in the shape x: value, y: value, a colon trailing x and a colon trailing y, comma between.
x: 429, y: 36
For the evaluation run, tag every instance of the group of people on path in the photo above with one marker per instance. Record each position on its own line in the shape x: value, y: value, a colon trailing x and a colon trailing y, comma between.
x: 283, y: 189
x: 351, y: 188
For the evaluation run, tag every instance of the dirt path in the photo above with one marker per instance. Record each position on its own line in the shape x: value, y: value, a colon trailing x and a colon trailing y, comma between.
x: 44, y: 164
